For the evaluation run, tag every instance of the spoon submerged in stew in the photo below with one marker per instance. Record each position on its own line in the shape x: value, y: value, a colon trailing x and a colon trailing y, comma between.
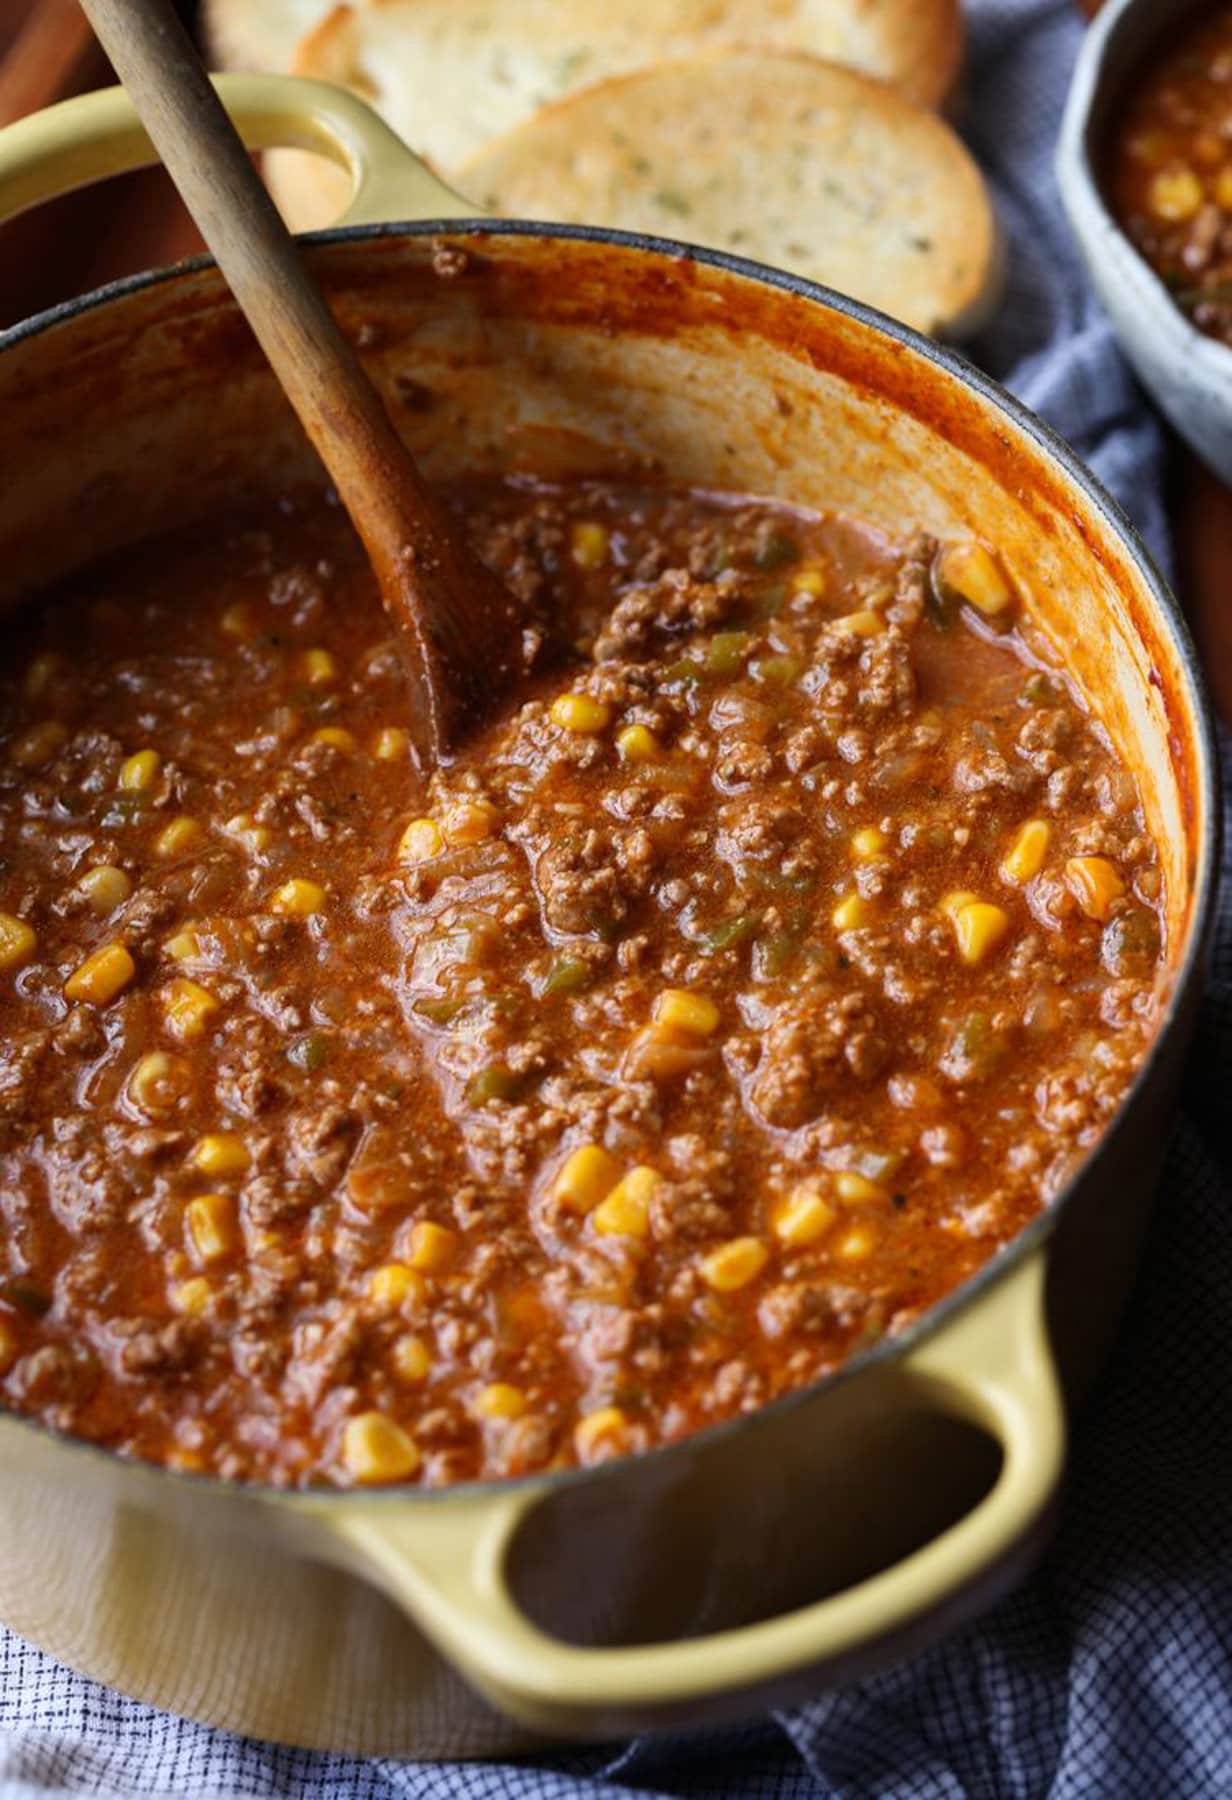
x: 460, y: 626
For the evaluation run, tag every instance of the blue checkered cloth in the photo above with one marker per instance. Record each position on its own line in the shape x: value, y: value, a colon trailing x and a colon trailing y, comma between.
x: 1109, y: 1675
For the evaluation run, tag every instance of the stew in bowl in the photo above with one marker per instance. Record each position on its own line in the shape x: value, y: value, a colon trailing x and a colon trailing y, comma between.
x: 1170, y: 168
x: 1145, y: 176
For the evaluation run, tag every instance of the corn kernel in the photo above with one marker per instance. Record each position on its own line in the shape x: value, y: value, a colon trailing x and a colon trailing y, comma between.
x: 297, y: 899
x: 395, y: 1286
x: 625, y: 1212
x: 809, y: 581
x: 867, y: 845
x: 857, y: 1190
x: 104, y: 888
x: 239, y: 621
x: 421, y: 841
x: 851, y: 913
x: 973, y: 573
x: 580, y: 713
x: 212, y: 1226
x: 18, y: 941
x: 433, y: 1247
x: 220, y: 1153
x: 803, y: 1217
x: 158, y: 1081
x: 9, y: 1347
x: 178, y: 836
x: 337, y: 737
x: 1175, y: 195
x: 588, y: 541
x: 101, y: 976
x: 139, y: 772
x: 604, y: 1430
x: 499, y: 1400
x: 734, y: 1264
x: 194, y: 1296
x: 856, y: 1245
x: 979, y: 927
x: 470, y: 822
x: 587, y: 1177
x: 410, y: 1360
x: 391, y: 744
x: 680, y: 1010
x: 185, y: 946
x: 186, y: 1007
x: 38, y: 745
x: 41, y: 671
x: 865, y: 623
x: 245, y: 830
x: 318, y: 668
x: 1095, y: 883
x: 637, y: 744
x: 951, y: 904
x: 375, y: 1449
x: 1024, y: 859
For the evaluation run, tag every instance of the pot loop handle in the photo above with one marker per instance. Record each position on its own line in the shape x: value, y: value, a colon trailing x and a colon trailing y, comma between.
x: 86, y: 139
x: 446, y: 1564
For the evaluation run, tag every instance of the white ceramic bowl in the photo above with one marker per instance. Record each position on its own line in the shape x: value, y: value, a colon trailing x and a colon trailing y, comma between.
x: 1188, y: 374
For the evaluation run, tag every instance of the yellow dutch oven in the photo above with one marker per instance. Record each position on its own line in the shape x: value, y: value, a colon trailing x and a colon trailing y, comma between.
x: 846, y: 1525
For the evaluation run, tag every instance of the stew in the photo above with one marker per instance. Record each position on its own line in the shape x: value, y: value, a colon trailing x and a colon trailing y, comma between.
x: 742, y: 989
x: 1171, y: 169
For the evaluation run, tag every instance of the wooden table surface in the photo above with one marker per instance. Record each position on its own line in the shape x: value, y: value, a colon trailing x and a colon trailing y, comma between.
x: 136, y: 222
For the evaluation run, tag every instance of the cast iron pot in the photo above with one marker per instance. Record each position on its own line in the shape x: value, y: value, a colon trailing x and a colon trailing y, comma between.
x: 839, y: 1528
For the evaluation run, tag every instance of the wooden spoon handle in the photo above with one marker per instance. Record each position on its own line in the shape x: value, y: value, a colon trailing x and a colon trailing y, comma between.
x: 441, y: 594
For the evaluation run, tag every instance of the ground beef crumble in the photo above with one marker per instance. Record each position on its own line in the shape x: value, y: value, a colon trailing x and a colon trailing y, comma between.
x: 639, y: 1064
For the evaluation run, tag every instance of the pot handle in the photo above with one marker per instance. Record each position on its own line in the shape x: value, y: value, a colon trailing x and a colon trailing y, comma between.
x: 86, y: 139
x: 446, y: 1564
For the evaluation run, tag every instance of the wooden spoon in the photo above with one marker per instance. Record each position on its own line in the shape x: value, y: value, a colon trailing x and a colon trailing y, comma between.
x: 461, y: 626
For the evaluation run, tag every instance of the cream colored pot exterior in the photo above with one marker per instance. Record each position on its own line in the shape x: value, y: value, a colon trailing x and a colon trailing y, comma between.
x: 840, y: 1527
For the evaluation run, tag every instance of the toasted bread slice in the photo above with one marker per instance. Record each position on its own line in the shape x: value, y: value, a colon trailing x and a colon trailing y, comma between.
x: 448, y: 75
x: 258, y: 34
x: 784, y: 158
